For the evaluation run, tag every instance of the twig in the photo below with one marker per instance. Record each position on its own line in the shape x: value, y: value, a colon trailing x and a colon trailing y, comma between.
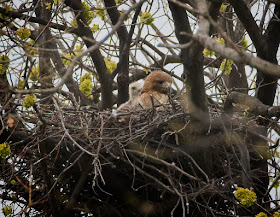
x: 164, y: 163
x: 66, y: 131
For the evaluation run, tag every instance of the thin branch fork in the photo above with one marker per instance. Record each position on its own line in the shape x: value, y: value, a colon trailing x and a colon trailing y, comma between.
x: 69, y: 70
x: 29, y: 190
x: 231, y: 53
x: 66, y: 131
x: 164, y: 163
x: 15, y: 14
x: 249, y: 59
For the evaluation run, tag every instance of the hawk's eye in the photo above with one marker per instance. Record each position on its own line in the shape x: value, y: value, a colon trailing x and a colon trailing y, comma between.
x: 160, y: 82
x: 133, y: 88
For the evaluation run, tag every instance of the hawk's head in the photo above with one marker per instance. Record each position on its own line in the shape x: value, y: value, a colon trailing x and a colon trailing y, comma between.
x: 135, y: 90
x: 157, y: 81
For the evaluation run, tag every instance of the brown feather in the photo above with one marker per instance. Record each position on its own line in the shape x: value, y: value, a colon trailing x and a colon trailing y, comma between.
x: 155, y: 82
x: 155, y: 89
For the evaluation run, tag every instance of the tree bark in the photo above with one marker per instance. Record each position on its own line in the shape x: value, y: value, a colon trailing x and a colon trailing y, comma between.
x: 122, y: 67
x: 266, y: 47
x: 85, y: 33
x: 192, y: 59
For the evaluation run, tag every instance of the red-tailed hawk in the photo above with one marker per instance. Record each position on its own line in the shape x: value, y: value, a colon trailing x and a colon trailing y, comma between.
x: 155, y: 90
x: 134, y: 98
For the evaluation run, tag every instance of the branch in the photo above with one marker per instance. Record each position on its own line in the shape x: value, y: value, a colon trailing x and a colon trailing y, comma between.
x: 272, y: 34
x: 54, y: 55
x: 245, y: 103
x: 163, y: 162
x: 266, y: 48
x: 71, y: 84
x: 245, y: 16
x: 181, y: 22
x: 267, y: 84
x: 79, y: 186
x: 41, y: 21
x: 104, y: 76
x: 45, y: 73
x: 115, y: 15
x: 192, y: 58
x: 249, y: 59
x: 70, y: 68
x: 122, y: 67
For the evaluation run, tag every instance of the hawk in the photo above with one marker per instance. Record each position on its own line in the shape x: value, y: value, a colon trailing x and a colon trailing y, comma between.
x: 155, y: 90
x: 134, y: 98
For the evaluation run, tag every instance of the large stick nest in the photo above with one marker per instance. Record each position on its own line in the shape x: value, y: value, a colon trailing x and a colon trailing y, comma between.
x: 149, y: 161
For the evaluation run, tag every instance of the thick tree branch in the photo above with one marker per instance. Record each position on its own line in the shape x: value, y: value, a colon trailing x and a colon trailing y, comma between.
x: 238, y: 102
x: 266, y: 48
x: 244, y: 15
x: 45, y: 71
x: 122, y: 67
x: 256, y: 62
x: 237, y: 78
x: 104, y: 76
x: 71, y: 84
x: 272, y: 34
x: 192, y: 59
x: 214, y: 11
x: 83, y: 177
x: 181, y: 22
x: 115, y: 15
x: 46, y: 82
x: 267, y: 84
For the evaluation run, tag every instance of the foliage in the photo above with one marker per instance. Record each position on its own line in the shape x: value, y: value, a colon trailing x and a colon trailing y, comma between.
x: 69, y: 56
x: 4, y: 64
x: 89, y: 15
x: 34, y: 75
x: 7, y: 210
x: 244, y: 43
x: 56, y: 1
x: 7, y: 9
x: 28, y: 101
x: 30, y: 49
x: 111, y: 65
x: 246, y: 196
x: 94, y: 28
x: 146, y: 18
x: 65, y: 149
x: 86, y: 76
x: 20, y: 83
x: 226, y: 66
x: 23, y: 33
x: 223, y: 7
x: 48, y: 5
x: 100, y: 12
x: 5, y: 150
x: 261, y: 214
x: 86, y: 84
x: 221, y: 41
x: 210, y: 53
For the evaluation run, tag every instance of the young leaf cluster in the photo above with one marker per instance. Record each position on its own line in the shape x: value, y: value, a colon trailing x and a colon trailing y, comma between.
x: 5, y: 150
x: 245, y: 196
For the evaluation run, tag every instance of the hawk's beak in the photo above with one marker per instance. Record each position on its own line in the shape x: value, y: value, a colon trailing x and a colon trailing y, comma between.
x: 167, y: 84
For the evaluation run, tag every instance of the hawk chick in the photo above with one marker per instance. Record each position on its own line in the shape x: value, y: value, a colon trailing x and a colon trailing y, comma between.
x: 155, y: 90
x: 134, y: 97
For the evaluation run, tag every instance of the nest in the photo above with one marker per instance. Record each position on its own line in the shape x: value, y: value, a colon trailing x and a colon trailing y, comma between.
x: 149, y: 161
